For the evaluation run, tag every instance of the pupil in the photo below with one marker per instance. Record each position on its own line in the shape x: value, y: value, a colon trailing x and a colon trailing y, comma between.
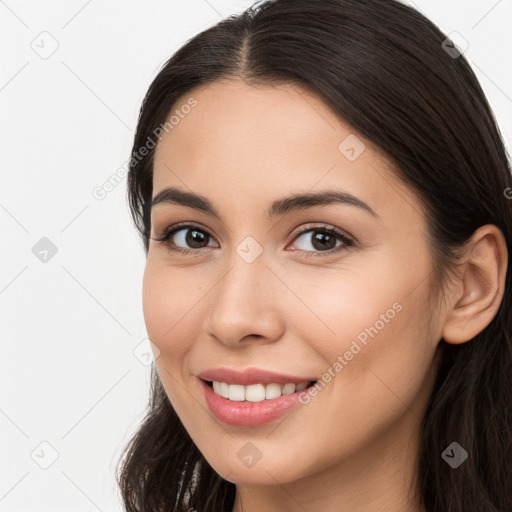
x: 194, y: 238
x: 321, y: 239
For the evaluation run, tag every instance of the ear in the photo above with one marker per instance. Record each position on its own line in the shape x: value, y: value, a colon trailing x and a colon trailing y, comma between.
x: 479, y: 293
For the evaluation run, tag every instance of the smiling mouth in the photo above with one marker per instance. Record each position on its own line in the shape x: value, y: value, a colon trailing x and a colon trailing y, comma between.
x: 256, y: 392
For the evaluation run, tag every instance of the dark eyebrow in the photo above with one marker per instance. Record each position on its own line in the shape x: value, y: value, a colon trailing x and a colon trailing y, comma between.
x: 174, y: 195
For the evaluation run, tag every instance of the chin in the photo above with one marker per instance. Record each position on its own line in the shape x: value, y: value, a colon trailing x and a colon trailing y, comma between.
x: 263, y: 472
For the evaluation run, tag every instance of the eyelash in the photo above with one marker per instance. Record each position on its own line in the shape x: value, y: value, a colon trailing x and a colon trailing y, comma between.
x: 347, y: 242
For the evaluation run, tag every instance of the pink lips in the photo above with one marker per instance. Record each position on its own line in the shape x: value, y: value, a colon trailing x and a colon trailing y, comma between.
x: 249, y: 414
x: 251, y: 376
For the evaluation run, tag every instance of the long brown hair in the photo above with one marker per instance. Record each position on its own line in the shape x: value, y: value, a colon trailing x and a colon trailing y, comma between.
x: 394, y: 76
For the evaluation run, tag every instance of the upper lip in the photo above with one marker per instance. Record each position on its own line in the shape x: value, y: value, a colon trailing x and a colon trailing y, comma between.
x: 251, y: 376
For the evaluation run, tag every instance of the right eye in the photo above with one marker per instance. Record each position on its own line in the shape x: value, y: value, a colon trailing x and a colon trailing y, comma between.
x: 184, y: 234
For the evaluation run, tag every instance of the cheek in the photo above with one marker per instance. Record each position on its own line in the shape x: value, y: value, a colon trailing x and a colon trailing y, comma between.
x: 377, y: 364
x: 338, y: 308
x: 168, y: 300
x: 371, y: 332
x: 167, y: 311
x: 156, y: 299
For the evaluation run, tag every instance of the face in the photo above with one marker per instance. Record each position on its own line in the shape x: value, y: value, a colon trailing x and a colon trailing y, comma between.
x: 332, y: 291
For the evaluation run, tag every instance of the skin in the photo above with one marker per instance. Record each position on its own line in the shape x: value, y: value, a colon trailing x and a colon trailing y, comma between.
x: 353, y: 446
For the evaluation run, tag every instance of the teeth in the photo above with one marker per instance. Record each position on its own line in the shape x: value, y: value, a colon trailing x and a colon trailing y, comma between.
x: 236, y: 393
x: 224, y: 389
x: 273, y: 391
x: 255, y: 392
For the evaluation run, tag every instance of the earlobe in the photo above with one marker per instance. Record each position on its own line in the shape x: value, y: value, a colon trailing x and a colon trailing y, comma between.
x: 481, y: 286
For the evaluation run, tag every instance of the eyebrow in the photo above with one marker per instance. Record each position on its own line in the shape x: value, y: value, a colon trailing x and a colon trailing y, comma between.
x: 172, y: 195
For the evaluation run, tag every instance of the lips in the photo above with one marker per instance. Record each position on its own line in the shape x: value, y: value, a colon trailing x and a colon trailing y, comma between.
x: 247, y: 414
x: 252, y: 376
x: 255, y: 412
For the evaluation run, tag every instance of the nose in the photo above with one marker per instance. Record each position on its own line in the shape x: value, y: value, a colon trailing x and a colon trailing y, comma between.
x: 245, y: 304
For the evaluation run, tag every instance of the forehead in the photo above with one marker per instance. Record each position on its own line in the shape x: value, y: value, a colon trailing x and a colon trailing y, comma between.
x: 262, y: 142
x: 232, y: 119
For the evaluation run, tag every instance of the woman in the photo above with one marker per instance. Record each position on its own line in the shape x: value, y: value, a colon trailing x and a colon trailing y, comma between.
x: 323, y: 196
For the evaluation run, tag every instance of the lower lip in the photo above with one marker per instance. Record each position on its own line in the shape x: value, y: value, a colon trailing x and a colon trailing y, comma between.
x: 248, y: 414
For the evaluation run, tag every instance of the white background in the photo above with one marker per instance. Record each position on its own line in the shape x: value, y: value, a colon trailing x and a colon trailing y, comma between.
x: 69, y: 326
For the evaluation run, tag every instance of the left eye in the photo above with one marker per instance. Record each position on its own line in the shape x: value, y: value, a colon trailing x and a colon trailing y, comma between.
x: 324, y: 240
